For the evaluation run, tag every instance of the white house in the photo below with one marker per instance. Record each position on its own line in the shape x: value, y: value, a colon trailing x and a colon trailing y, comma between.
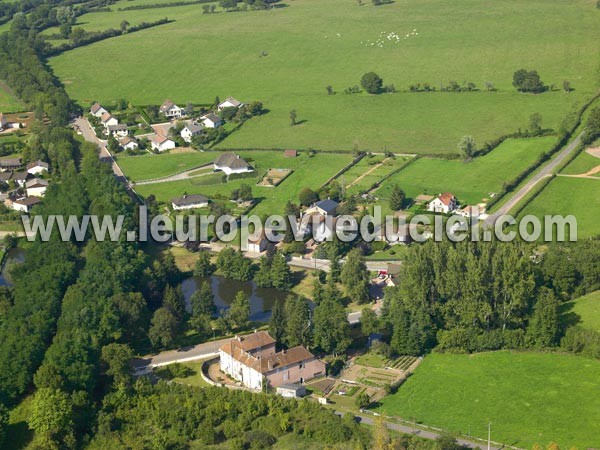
x: 128, y: 143
x: 258, y: 244
x: 20, y: 178
x: 119, y: 130
x: 229, y: 102
x: 443, y: 203
x: 107, y: 120
x: 229, y: 163
x: 24, y: 204
x: 211, y: 120
x: 36, y: 187
x: 4, y: 125
x: 322, y: 207
x: 189, y: 202
x: 161, y: 143
x: 471, y: 211
x: 291, y: 391
x: 191, y: 130
x: 37, y: 167
x: 170, y: 109
x: 97, y: 110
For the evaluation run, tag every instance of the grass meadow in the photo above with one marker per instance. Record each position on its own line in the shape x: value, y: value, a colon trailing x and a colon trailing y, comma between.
x: 470, y: 181
x: 287, y: 56
x: 151, y: 166
x: 528, y: 397
x: 586, y: 311
x: 8, y: 102
x: 308, y: 171
x: 565, y: 196
x: 583, y: 163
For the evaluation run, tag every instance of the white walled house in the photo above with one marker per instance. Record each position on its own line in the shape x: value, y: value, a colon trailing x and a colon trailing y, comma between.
x: 36, y: 187
x: 189, y: 202
x: 97, y: 110
x: 128, y: 143
x: 443, y: 203
x: 170, y: 109
x: 37, y: 167
x: 229, y: 163
x: 20, y: 178
x: 161, y: 143
x: 24, y: 204
x: 211, y: 121
x: 119, y: 130
x: 191, y: 130
x: 107, y: 120
x: 229, y: 102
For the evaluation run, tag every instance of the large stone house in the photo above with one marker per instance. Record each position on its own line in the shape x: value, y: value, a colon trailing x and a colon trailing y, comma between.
x: 253, y: 361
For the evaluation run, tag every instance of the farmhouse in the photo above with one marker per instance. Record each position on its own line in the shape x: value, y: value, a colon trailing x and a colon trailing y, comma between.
x: 170, y: 109
x: 161, y: 143
x: 3, y: 122
x: 107, y: 120
x: 97, y: 110
x: 118, y: 130
x: 10, y: 164
x: 23, y: 204
x: 443, y: 203
x: 211, y: 120
x: 128, y: 143
x: 191, y: 130
x: 37, y: 167
x: 229, y: 163
x: 252, y: 360
x: 323, y: 207
x: 36, y: 187
x: 229, y: 102
x: 189, y: 202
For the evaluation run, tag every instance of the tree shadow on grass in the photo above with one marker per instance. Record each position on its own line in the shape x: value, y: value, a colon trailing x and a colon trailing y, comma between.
x: 18, y: 436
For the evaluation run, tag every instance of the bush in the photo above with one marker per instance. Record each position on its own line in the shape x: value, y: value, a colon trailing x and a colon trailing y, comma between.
x: 363, y: 400
x: 258, y: 439
x: 371, y: 82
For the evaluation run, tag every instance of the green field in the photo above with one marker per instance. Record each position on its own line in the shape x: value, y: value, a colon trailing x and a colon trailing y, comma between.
x: 308, y: 171
x: 586, y: 310
x: 369, y: 170
x: 290, y: 54
x: 565, y: 195
x: 528, y: 397
x: 8, y: 102
x: 149, y: 167
x: 469, y: 181
x: 582, y: 164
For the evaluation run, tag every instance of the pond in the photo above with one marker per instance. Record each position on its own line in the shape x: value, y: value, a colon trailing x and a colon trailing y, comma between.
x: 14, y: 256
x: 224, y: 290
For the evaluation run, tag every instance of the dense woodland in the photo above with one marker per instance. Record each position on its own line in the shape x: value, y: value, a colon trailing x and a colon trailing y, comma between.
x: 79, y: 311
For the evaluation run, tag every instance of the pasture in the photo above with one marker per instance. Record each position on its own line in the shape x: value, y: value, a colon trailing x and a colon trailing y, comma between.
x: 565, y: 196
x: 289, y: 55
x: 307, y: 171
x: 584, y: 311
x: 583, y: 163
x: 470, y: 181
x: 151, y: 166
x: 8, y: 102
x: 369, y: 170
x: 528, y: 397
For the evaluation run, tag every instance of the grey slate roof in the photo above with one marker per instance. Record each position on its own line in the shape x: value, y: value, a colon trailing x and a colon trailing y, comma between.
x: 329, y: 206
x: 188, y: 200
x: 231, y: 160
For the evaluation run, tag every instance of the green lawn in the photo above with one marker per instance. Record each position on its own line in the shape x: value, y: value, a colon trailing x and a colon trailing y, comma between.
x: 528, y: 397
x: 8, y: 102
x: 469, y: 181
x: 586, y: 310
x: 565, y: 196
x: 583, y: 163
x: 289, y: 55
x: 148, y: 167
x: 309, y: 171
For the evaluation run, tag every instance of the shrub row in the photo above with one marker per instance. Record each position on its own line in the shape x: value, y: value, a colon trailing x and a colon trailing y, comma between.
x: 165, y: 5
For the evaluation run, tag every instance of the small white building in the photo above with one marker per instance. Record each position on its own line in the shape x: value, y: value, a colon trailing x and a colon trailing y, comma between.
x: 36, y: 187
x: 443, y: 203
x: 191, y: 130
x: 97, y: 110
x: 119, y: 130
x: 170, y: 109
x: 229, y: 102
x: 291, y: 391
x: 211, y: 120
x: 24, y: 204
x: 161, y: 143
x: 189, y: 202
x: 128, y: 143
x: 229, y: 163
x: 37, y: 167
x: 471, y: 211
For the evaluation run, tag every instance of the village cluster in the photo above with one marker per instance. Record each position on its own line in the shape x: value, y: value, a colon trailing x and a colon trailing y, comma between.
x: 22, y: 186
x: 160, y: 140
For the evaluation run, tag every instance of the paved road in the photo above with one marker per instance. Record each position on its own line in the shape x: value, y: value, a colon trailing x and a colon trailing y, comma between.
x: 545, y: 172
x: 422, y: 433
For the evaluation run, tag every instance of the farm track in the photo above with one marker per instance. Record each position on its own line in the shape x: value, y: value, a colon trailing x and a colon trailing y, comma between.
x: 368, y: 172
x: 186, y: 175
